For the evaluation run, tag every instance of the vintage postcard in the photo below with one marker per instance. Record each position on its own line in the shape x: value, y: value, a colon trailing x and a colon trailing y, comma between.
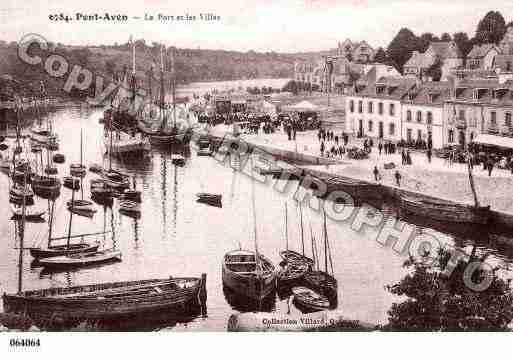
x: 255, y: 166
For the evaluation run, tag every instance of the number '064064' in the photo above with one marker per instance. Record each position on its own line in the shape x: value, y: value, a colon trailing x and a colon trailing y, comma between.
x: 25, y: 342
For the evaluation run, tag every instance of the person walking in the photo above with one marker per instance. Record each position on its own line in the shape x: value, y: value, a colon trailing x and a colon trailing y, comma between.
x: 322, y: 149
x: 319, y: 135
x: 408, y: 158
x: 336, y: 140
x: 403, y: 157
x: 376, y: 173
x: 429, y: 154
x: 397, y: 178
x: 380, y: 148
x: 490, y: 167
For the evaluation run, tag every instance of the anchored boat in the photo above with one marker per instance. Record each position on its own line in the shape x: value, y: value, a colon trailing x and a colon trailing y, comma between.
x: 310, y: 301
x: 108, y: 300
x: 81, y: 259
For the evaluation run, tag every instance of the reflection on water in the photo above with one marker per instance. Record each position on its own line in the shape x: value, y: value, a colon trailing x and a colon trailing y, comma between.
x: 177, y: 236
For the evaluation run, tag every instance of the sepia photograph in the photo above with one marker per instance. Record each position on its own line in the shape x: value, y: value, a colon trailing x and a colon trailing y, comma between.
x: 255, y: 166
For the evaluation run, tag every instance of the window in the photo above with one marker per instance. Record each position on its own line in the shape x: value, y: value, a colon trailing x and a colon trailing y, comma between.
x: 360, y: 106
x: 507, y: 119
x: 408, y: 135
x: 419, y: 116
x: 351, y: 106
x: 451, y: 136
x: 392, y: 109
x: 380, y: 89
x: 429, y: 118
x: 391, y: 129
x: 408, y: 116
x: 370, y: 126
x: 370, y: 106
x: 462, y: 115
x: 493, y: 118
x: 380, y: 108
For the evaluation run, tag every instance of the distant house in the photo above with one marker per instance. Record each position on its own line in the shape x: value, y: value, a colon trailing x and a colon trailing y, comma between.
x: 506, y: 45
x: 447, y: 52
x: 482, y: 57
x: 357, y: 51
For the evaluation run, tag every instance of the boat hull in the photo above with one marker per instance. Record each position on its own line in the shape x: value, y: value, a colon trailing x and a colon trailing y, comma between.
x: 63, y: 250
x: 446, y: 211
x: 80, y: 261
x: 103, y: 304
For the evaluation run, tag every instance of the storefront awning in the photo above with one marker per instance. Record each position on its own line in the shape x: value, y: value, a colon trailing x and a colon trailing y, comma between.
x: 492, y: 140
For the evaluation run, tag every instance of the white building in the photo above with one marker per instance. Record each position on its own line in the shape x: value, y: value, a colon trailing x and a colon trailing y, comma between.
x: 375, y: 110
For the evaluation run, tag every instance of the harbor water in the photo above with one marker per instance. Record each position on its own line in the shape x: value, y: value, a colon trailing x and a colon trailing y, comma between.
x: 177, y: 236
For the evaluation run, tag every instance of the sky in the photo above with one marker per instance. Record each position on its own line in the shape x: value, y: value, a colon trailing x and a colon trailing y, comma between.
x: 259, y: 25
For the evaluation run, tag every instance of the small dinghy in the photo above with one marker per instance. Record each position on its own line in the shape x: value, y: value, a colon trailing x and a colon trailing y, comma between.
x: 295, y: 257
x: 178, y: 160
x: 96, y: 168
x: 210, y: 199
x: 115, y: 179
x: 81, y: 259
x: 30, y: 213
x: 59, y: 158
x: 100, y: 191
x: 45, y: 186
x: 71, y: 183
x: 81, y: 207
x: 36, y: 148
x: 51, y: 170
x: 308, y: 300
x: 18, y: 195
x: 131, y: 195
x: 77, y: 170
x: 129, y: 206
x: 63, y: 250
x: 291, y: 272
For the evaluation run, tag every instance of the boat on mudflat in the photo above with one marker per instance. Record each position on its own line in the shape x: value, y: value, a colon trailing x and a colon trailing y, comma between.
x: 445, y: 210
x: 295, y: 257
x: 124, y: 146
x: 81, y: 259
x: 30, y: 213
x: 108, y: 300
x: 244, y: 276
x: 307, y: 300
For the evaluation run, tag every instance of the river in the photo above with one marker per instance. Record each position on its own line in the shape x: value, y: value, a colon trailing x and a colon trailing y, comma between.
x: 177, y: 236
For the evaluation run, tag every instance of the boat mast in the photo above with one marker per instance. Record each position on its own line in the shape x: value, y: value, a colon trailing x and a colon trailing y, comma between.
x: 286, y: 229
x: 325, y: 244
x: 313, y: 245
x: 81, y: 148
x: 253, y: 201
x: 302, y: 232
x: 173, y: 86
x: 22, y: 234
x: 50, y: 221
x: 471, y: 180
x: 70, y: 216
x: 162, y: 92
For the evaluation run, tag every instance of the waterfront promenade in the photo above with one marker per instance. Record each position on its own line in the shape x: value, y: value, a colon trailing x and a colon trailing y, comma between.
x: 437, y: 179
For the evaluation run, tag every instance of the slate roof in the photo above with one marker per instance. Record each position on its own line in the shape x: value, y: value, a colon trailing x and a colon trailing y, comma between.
x: 465, y: 92
x: 480, y: 51
x: 419, y: 60
x: 438, y: 91
x: 395, y: 88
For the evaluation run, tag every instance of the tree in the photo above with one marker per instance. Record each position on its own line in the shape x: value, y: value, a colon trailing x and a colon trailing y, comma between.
x: 445, y: 37
x: 402, y: 47
x: 438, y: 302
x: 291, y: 86
x: 491, y: 28
x: 380, y: 56
x: 464, y: 44
x: 426, y: 39
x: 435, y: 70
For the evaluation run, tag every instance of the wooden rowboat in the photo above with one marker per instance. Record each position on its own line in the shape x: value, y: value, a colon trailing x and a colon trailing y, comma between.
x: 445, y: 210
x: 295, y: 257
x: 292, y: 272
x: 178, y: 160
x: 129, y: 206
x: 63, y: 250
x: 107, y: 300
x: 241, y: 275
x: 17, y: 211
x: 323, y: 283
x: 77, y: 170
x: 310, y: 301
x: 71, y: 183
x: 81, y: 259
